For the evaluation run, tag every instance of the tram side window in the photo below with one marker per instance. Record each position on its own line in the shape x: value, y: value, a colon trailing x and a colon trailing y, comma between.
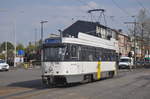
x: 102, y: 54
x: 84, y: 53
x: 95, y: 54
x: 99, y: 54
x: 87, y: 53
x: 67, y: 55
x: 106, y: 56
x: 74, y: 52
x: 90, y: 54
x: 113, y: 57
x: 79, y: 53
x: 110, y: 57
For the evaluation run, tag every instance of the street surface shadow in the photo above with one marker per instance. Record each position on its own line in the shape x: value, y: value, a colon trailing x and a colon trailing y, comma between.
x: 78, y: 84
x: 35, y: 84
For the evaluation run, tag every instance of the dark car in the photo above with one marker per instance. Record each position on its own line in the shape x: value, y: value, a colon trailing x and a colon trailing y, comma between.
x: 140, y: 63
x: 147, y: 64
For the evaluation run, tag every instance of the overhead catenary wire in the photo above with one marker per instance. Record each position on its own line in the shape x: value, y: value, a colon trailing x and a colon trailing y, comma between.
x: 141, y: 5
x: 116, y: 4
x: 122, y: 9
x: 105, y: 22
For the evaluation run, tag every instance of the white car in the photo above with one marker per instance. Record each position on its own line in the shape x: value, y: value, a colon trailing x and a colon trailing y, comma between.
x: 3, y: 65
x: 126, y: 62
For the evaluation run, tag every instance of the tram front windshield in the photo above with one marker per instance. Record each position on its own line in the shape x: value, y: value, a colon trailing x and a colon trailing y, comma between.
x: 54, y: 53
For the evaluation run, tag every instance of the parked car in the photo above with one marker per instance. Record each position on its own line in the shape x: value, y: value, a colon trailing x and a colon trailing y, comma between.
x: 140, y: 63
x: 126, y: 63
x: 3, y: 65
x: 147, y: 64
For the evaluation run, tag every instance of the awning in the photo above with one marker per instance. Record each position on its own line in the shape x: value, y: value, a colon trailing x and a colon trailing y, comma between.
x: 146, y: 57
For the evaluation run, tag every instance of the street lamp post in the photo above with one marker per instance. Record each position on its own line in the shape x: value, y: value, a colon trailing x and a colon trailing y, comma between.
x: 15, y: 39
x: 6, y: 51
x: 42, y: 24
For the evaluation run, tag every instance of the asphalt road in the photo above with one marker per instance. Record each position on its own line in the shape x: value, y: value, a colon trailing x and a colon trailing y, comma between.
x: 26, y: 84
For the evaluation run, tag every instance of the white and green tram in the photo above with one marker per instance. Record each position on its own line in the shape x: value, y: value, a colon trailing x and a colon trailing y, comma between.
x: 71, y: 60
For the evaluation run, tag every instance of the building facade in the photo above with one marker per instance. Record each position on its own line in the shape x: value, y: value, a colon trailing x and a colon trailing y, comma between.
x: 91, y: 28
x: 124, y: 43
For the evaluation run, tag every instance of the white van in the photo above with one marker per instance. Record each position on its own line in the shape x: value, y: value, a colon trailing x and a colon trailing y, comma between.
x: 126, y: 62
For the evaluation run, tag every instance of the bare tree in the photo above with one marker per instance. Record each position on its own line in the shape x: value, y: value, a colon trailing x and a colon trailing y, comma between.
x: 143, y: 30
x: 140, y: 32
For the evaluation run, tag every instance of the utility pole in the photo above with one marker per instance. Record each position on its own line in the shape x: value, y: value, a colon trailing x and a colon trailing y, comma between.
x: 134, y: 34
x: 35, y: 36
x: 142, y: 41
x: 6, y: 51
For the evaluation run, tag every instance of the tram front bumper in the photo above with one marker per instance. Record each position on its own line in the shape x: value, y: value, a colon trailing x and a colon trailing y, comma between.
x: 53, y: 79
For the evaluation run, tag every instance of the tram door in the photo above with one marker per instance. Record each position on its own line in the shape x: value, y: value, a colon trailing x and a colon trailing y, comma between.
x: 76, y: 57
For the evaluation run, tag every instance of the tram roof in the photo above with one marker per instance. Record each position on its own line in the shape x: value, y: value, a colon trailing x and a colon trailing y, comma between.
x: 89, y: 40
x: 84, y: 39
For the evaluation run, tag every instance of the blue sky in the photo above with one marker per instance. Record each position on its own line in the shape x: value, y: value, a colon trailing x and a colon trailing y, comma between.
x: 24, y: 16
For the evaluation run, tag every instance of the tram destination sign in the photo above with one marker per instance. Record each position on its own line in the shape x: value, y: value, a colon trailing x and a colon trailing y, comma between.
x: 52, y: 41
